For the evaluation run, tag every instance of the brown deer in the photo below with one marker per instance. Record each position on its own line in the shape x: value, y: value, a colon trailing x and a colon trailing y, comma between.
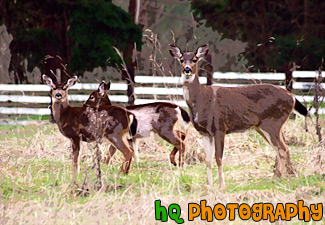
x: 90, y: 124
x: 217, y: 111
x: 158, y: 117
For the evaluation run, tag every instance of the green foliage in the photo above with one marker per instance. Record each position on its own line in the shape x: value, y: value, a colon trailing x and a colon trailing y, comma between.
x: 277, y: 32
x: 32, y: 25
x: 307, y: 52
x: 82, y: 32
x: 96, y: 28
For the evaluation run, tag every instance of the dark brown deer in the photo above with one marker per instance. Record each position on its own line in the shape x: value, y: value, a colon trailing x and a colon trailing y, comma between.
x: 90, y: 124
x: 158, y: 117
x: 217, y: 111
x: 56, y: 69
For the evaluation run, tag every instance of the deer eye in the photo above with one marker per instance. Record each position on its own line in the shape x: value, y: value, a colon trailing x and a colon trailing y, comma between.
x: 181, y: 60
x: 194, y: 60
x: 91, y: 97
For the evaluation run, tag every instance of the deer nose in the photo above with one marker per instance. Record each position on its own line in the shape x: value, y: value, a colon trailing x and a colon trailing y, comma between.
x: 187, y: 70
x: 58, y: 95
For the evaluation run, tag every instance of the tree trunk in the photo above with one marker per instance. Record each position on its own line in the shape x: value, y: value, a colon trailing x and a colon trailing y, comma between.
x: 129, y: 75
x: 18, y: 67
x: 129, y: 59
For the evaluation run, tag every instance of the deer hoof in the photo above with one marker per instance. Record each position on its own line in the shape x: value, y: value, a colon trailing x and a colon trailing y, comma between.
x: 277, y: 174
x: 291, y: 171
x: 97, y: 187
x: 222, y: 187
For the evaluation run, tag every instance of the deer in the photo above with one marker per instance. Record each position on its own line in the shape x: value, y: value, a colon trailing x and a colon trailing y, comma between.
x: 158, y: 117
x: 91, y: 125
x: 216, y: 111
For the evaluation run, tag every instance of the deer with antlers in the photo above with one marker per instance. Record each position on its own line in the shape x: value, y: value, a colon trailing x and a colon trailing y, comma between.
x: 157, y: 117
x: 217, y: 111
x: 90, y: 124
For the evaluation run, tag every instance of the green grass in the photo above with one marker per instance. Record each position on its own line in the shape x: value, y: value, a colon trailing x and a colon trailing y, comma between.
x: 36, y: 174
x: 30, y: 117
x: 22, y: 132
x: 35, y: 117
x: 286, y: 185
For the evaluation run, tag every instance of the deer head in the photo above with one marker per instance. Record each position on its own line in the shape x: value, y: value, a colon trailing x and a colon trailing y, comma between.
x: 100, y: 96
x: 59, y: 91
x: 189, y: 60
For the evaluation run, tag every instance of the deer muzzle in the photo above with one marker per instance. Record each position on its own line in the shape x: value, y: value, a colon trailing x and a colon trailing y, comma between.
x: 58, y: 96
x: 187, y: 71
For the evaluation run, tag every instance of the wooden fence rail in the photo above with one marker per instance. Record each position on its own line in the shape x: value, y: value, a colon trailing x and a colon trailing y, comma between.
x: 33, y: 99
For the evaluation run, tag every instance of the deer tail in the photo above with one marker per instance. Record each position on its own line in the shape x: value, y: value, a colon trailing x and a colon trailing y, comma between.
x: 184, y: 115
x: 301, y: 108
x: 134, y: 125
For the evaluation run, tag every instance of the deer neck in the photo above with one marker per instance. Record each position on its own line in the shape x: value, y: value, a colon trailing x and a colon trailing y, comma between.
x: 198, y: 99
x: 58, y: 108
x: 192, y: 91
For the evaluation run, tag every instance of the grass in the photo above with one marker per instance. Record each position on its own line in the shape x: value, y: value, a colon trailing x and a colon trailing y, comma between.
x: 36, y: 188
x: 34, y: 117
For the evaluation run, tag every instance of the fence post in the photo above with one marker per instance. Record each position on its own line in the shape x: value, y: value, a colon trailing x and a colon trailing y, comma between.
x: 317, y: 96
x: 288, y: 78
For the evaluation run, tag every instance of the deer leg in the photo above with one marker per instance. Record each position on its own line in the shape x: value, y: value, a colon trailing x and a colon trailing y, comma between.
x: 172, y: 156
x: 289, y: 167
x: 208, y: 144
x: 110, y: 153
x: 121, y: 144
x: 181, y: 136
x: 280, y: 162
x: 135, y: 144
x: 75, y: 144
x: 172, y: 137
x: 275, y: 140
x: 219, y: 140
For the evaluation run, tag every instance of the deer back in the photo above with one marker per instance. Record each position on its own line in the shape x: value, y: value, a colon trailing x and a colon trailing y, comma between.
x: 236, y: 109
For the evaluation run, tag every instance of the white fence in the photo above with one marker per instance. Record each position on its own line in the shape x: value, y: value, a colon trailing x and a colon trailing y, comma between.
x: 30, y: 94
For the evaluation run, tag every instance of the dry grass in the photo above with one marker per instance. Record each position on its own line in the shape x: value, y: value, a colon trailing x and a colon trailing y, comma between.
x: 35, y: 170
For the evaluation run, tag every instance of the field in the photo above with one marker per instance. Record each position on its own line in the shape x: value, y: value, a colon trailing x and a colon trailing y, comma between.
x: 35, y: 177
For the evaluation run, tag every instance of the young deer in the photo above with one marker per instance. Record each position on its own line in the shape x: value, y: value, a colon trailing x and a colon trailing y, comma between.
x: 217, y: 111
x: 89, y: 124
x: 158, y: 117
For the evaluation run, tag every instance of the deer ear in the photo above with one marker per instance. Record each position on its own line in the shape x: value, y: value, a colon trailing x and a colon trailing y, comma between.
x: 108, y: 85
x: 48, y: 81
x: 202, y: 51
x: 72, y: 81
x: 103, y: 87
x: 175, y: 51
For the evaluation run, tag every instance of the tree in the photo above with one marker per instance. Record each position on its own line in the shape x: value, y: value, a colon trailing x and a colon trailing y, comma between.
x: 82, y: 32
x: 128, y: 72
x: 280, y: 34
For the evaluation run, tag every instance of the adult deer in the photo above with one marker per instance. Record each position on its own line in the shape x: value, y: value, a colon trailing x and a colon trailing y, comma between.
x: 90, y: 124
x: 217, y: 111
x: 158, y: 117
